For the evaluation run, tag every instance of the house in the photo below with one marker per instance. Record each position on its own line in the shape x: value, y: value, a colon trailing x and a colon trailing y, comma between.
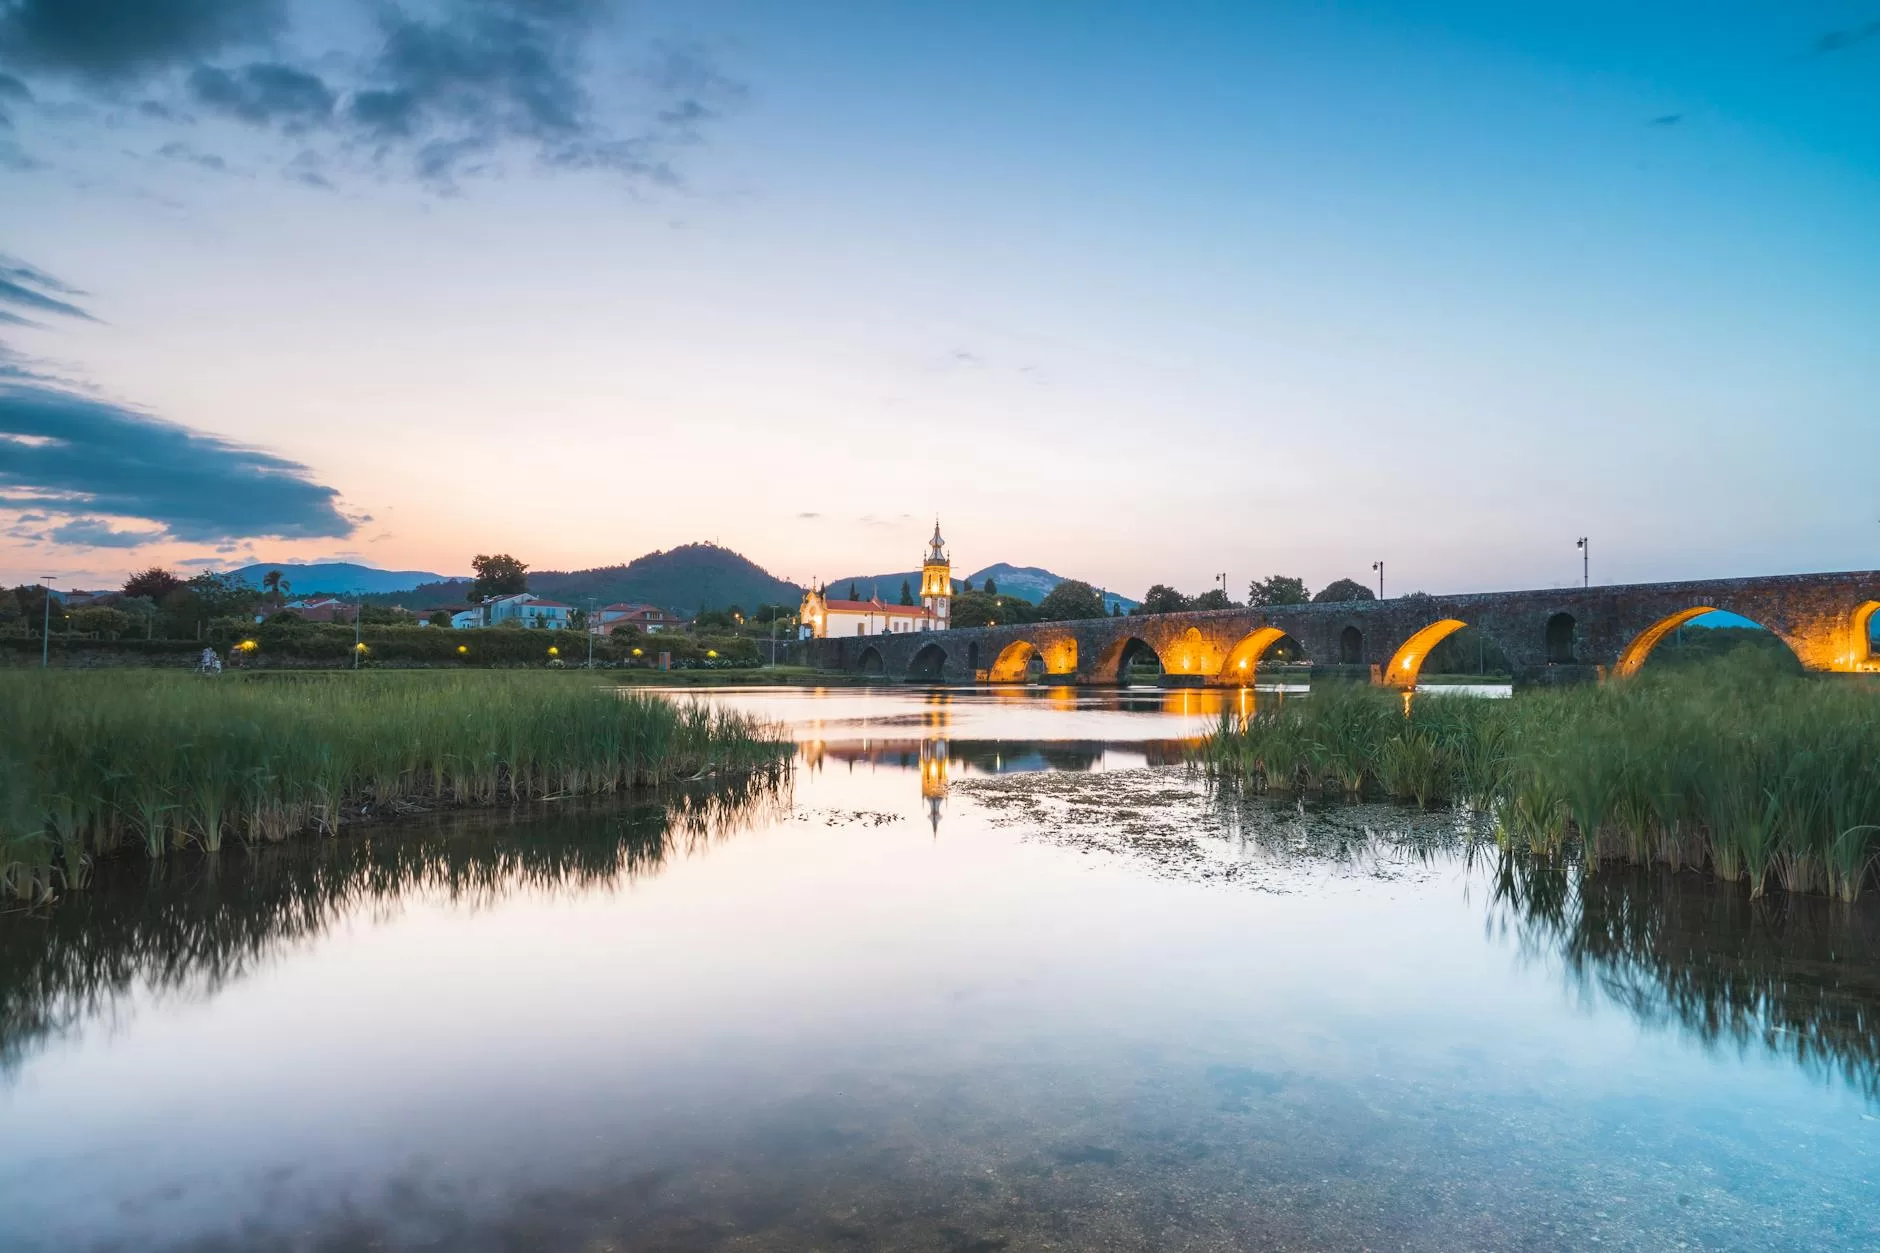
x: 323, y: 609
x: 649, y: 618
x: 523, y: 609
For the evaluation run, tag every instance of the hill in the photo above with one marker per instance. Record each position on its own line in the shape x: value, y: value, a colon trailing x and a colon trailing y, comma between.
x: 339, y: 577
x: 1025, y: 582
x: 683, y: 579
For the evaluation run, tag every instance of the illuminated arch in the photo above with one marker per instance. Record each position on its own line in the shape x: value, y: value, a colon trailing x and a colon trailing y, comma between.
x: 1861, y: 654
x: 1641, y: 646
x: 1407, y: 663
x: 1012, y: 662
x: 1242, y: 662
x: 1118, y: 657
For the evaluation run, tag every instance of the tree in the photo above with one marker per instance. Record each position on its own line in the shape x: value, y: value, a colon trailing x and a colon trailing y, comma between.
x: 907, y: 592
x: 1281, y: 589
x: 991, y: 588
x: 1116, y: 609
x: 105, y: 623
x: 578, y: 620
x: 155, y: 582
x: 977, y: 609
x: 1070, y: 600
x: 275, y: 586
x: 1163, y: 599
x: 853, y: 594
x: 1342, y: 590
x: 966, y: 585
x: 497, y: 575
x: 1213, y: 598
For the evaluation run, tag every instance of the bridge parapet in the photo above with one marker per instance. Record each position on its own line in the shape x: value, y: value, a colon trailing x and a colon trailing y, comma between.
x: 1546, y: 635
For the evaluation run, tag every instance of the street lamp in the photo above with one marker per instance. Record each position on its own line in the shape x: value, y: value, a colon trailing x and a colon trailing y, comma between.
x: 45, y: 624
x: 1586, y: 576
x: 1379, y: 567
x: 359, y: 614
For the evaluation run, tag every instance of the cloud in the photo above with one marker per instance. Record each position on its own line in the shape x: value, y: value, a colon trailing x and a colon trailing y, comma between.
x: 73, y: 454
x: 1842, y: 40
x: 450, y: 89
x: 116, y: 40
x: 25, y: 287
x: 264, y: 94
x: 98, y: 533
x: 177, y: 150
x: 808, y: 516
x: 1667, y: 119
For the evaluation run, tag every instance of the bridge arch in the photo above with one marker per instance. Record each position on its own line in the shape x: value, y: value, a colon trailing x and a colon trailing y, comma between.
x: 929, y: 662
x: 1862, y: 652
x: 1561, y: 628
x: 1242, y: 663
x: 1351, y: 646
x: 1117, y: 657
x: 870, y: 661
x: 1407, y: 662
x: 1193, y: 655
x: 1013, y: 664
x: 1635, y: 654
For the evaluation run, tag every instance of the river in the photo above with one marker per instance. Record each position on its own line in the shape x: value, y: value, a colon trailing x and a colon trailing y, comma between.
x: 984, y: 971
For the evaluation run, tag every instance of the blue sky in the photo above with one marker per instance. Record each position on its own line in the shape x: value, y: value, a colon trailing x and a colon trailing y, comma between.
x: 1132, y: 293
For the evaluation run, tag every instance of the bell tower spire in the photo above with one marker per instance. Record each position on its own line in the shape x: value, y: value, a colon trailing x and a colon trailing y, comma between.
x: 936, y: 583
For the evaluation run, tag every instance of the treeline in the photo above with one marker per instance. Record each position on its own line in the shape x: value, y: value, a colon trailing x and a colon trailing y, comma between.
x: 1073, y: 599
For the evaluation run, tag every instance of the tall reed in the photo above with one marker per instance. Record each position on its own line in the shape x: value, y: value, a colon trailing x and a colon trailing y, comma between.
x: 1766, y: 778
x: 90, y: 763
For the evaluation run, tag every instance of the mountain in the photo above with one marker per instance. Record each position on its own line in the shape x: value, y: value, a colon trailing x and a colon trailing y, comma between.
x: 1034, y: 584
x: 1025, y: 582
x: 339, y: 577
x: 683, y: 579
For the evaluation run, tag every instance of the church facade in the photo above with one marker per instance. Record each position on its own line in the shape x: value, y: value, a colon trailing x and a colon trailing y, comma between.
x: 825, y: 618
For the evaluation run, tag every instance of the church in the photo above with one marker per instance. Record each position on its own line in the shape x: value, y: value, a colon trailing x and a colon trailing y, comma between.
x: 823, y: 618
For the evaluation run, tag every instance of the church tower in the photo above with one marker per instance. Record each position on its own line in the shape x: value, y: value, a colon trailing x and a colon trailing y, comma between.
x: 936, y: 583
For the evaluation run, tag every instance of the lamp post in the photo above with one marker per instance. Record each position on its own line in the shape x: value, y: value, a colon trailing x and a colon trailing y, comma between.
x: 1586, y: 567
x: 45, y: 624
x: 1379, y: 567
x: 359, y: 614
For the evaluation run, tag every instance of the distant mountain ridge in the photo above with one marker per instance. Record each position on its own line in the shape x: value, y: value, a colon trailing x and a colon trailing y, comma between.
x: 684, y: 580
x: 340, y: 577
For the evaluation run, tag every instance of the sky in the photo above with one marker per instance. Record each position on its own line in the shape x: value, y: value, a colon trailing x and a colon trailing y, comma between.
x: 1139, y: 293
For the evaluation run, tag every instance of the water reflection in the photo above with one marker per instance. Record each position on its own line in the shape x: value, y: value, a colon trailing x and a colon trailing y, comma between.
x: 1795, y: 976
x: 195, y: 924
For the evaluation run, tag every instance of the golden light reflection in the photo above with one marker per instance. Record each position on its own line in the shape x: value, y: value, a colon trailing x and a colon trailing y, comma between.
x: 1243, y: 659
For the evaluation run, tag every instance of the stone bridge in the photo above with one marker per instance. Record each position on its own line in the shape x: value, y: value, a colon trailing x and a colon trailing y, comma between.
x: 1549, y: 636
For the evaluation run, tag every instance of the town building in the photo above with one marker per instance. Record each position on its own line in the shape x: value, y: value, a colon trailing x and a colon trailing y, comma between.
x: 649, y: 618
x: 823, y: 618
x: 523, y: 609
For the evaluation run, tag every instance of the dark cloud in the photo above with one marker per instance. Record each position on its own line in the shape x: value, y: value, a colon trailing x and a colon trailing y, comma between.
x: 75, y: 454
x: 453, y: 89
x: 111, y: 40
x: 12, y: 88
x: 1842, y: 40
x: 264, y: 94
x: 97, y: 533
x: 177, y: 150
x: 24, y: 287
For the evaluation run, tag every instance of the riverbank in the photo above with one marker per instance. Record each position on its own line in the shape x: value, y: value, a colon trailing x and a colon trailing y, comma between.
x: 93, y: 764
x: 1750, y: 772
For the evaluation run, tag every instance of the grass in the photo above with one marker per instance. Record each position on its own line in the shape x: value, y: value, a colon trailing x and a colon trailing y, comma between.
x: 1760, y: 776
x: 94, y: 763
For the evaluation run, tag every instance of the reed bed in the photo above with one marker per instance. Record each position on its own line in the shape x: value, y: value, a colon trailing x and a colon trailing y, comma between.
x: 1759, y: 776
x: 95, y: 763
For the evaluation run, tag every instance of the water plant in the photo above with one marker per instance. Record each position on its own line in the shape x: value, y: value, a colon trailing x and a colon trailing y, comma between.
x: 94, y: 762
x: 1765, y: 777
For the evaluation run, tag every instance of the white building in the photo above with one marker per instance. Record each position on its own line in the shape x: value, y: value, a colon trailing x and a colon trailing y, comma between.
x: 524, y: 608
x: 823, y: 618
